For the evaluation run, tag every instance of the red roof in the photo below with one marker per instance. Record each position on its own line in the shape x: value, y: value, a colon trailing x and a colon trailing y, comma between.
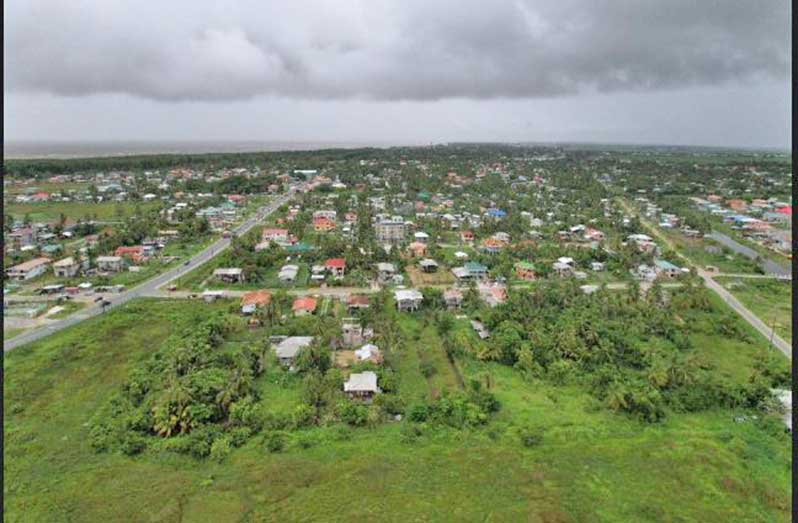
x: 306, y: 304
x: 336, y: 263
x: 122, y: 251
x: 785, y: 210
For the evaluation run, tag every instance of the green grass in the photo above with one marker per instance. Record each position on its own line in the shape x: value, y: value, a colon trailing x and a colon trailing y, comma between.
x: 49, y: 211
x: 592, y: 465
x: 10, y: 333
x: 770, y: 300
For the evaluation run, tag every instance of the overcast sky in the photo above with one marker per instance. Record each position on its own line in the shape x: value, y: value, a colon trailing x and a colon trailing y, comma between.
x: 677, y: 72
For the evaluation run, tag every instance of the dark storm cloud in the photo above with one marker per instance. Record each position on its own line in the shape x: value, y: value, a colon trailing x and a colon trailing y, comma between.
x: 190, y: 50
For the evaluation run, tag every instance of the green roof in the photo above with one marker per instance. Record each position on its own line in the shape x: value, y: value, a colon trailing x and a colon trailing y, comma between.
x: 527, y: 266
x: 475, y: 267
x: 299, y: 247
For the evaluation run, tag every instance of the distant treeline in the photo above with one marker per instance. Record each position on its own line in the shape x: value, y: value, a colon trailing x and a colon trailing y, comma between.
x: 41, y: 167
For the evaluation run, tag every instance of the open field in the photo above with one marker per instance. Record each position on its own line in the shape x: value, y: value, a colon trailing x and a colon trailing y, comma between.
x: 50, y: 211
x: 591, y: 466
x: 770, y: 300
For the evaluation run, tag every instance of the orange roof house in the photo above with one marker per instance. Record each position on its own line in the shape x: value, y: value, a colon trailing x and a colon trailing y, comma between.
x: 417, y: 249
x: 302, y: 306
x: 323, y: 224
x: 257, y: 298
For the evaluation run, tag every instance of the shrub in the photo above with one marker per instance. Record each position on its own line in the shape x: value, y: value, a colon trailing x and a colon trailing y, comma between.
x: 133, y: 443
x: 220, y: 449
x: 274, y: 441
x: 427, y: 369
x: 531, y: 436
x: 390, y: 404
x: 419, y: 413
x: 353, y: 414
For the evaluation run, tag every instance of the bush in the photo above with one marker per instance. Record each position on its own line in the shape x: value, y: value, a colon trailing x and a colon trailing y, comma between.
x: 304, y: 416
x: 410, y: 433
x: 274, y: 441
x: 133, y: 443
x: 419, y: 413
x: 353, y: 414
x: 220, y: 449
x: 427, y: 369
x: 390, y: 404
x: 239, y: 436
x: 531, y: 436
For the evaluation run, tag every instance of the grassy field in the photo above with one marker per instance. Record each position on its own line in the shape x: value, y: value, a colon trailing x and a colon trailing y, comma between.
x: 592, y: 465
x: 50, y: 211
x: 770, y: 300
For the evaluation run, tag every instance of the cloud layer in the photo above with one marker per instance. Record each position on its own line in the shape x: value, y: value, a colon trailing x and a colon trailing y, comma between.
x: 379, y: 50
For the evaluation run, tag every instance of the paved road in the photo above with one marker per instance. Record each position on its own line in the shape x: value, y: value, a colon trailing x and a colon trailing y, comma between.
x: 733, y: 302
x: 753, y: 276
x: 150, y: 286
x: 768, y: 265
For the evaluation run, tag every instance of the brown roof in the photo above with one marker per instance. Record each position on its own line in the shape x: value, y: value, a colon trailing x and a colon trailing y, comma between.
x: 357, y: 300
x: 261, y: 297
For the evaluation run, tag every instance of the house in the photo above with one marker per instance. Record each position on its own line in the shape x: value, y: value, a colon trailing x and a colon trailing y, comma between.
x: 470, y: 271
x: 645, y: 272
x: 417, y: 249
x: 666, y: 269
x: 352, y: 333
x: 336, y: 266
x: 421, y: 237
x: 29, y: 269
x: 408, y: 299
x: 525, y: 270
x: 22, y: 237
x: 252, y: 301
x: 356, y: 302
x: 562, y: 269
x: 493, y: 294
x: 592, y: 234
x: 480, y: 329
x: 110, y: 263
x: 66, y: 268
x: 362, y: 385
x: 492, y: 245
x: 385, y: 271
x: 134, y: 253
x: 212, y: 296
x: 453, y: 298
x: 323, y: 224
x: 271, y: 235
x: 467, y: 236
x: 229, y: 274
x: 288, y: 273
x: 304, y: 306
x: 390, y: 230
x: 596, y: 266
x: 369, y: 352
x: 288, y: 349
x: 428, y: 265
x: 736, y: 205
